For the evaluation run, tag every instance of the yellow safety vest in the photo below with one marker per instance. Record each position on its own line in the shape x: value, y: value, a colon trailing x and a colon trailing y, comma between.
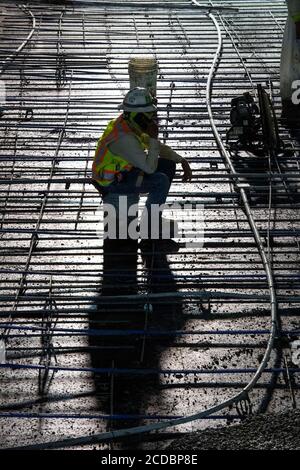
x: 106, y: 165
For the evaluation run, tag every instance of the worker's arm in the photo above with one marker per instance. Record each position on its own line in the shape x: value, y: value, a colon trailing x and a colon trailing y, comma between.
x: 166, y: 152
x: 129, y: 148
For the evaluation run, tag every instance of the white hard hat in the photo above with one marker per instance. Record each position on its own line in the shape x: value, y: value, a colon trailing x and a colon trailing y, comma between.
x: 138, y: 100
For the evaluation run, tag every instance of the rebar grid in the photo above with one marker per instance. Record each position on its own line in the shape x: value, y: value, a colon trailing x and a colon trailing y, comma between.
x: 77, y: 64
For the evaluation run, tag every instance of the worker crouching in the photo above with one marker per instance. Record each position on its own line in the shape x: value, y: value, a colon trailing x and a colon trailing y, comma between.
x: 129, y: 159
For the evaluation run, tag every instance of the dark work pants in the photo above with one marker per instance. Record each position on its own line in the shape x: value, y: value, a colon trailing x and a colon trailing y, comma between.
x: 156, y: 185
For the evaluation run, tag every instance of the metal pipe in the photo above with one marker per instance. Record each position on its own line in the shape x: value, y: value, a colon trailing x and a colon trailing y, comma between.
x: 10, y: 58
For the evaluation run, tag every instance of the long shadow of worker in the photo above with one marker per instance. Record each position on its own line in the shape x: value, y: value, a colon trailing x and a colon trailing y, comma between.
x: 124, y: 396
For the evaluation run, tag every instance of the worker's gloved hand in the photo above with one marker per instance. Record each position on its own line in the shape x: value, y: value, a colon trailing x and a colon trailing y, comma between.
x: 187, y: 171
x: 152, y: 130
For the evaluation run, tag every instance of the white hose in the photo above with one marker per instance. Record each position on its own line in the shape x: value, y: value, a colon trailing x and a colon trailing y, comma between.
x: 10, y: 58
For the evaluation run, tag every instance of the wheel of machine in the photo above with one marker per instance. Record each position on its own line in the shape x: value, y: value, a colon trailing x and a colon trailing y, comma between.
x: 268, y: 121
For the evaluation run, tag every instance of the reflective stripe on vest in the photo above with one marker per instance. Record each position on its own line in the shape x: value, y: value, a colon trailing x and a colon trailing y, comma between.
x: 106, y: 165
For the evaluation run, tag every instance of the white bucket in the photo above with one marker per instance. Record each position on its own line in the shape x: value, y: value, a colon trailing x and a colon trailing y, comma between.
x: 143, y: 73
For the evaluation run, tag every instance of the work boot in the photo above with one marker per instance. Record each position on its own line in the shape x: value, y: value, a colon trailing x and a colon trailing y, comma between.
x: 150, y: 247
x: 168, y: 229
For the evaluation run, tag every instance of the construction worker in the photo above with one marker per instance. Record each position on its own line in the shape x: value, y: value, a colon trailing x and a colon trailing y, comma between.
x: 290, y: 65
x: 127, y: 155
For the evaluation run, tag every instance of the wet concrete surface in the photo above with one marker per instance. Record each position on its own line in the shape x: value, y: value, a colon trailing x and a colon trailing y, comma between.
x: 263, y: 432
